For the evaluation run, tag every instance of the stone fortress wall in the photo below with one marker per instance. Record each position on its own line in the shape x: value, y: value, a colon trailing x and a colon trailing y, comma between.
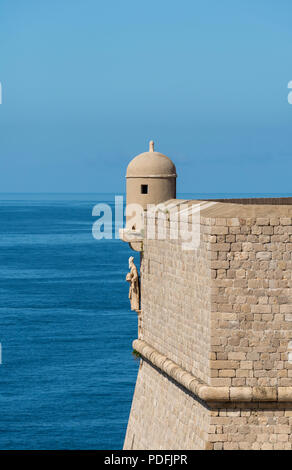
x: 216, y: 333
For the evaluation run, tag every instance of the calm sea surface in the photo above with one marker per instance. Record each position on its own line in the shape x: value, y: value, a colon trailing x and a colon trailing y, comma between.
x: 67, y: 375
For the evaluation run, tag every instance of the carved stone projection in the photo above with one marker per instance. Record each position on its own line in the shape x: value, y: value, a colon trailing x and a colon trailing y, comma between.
x: 134, y: 290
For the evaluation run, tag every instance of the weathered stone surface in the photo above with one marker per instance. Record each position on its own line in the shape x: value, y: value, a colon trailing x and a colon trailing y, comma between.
x: 220, y: 317
x: 240, y: 393
x: 285, y: 394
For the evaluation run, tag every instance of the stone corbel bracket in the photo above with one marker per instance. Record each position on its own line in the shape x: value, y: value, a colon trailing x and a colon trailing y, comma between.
x: 133, y: 237
x: 206, y: 392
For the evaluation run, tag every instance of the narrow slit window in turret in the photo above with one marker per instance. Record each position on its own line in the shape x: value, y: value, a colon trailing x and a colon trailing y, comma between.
x: 144, y: 188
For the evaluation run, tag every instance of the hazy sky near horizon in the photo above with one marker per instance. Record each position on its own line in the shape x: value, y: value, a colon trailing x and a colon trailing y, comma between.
x: 87, y: 83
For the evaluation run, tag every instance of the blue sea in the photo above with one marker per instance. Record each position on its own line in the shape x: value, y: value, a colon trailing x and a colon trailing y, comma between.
x: 68, y: 374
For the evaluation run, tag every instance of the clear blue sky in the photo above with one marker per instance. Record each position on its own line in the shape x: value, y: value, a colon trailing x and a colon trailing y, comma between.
x: 87, y: 83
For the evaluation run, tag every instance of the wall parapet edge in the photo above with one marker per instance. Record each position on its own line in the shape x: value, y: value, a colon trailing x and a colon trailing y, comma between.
x: 206, y: 392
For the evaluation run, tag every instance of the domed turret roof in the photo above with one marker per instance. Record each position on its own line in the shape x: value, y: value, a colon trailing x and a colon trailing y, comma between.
x: 151, y: 163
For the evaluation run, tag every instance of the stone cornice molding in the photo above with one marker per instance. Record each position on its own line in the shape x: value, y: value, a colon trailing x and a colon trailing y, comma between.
x: 206, y: 392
